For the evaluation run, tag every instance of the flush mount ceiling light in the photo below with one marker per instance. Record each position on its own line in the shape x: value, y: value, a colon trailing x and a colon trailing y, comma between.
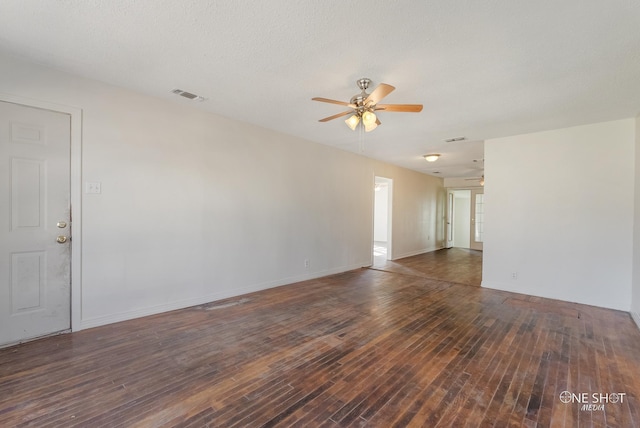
x: 364, y: 105
x: 432, y: 157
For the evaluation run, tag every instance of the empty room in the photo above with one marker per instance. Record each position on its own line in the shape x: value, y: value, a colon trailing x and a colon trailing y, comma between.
x: 382, y: 214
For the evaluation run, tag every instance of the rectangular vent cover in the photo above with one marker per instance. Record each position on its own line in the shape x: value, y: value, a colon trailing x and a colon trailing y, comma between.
x: 188, y: 95
x: 451, y: 140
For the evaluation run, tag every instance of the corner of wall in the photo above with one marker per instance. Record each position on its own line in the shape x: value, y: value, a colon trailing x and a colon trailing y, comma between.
x: 635, y: 274
x: 636, y: 318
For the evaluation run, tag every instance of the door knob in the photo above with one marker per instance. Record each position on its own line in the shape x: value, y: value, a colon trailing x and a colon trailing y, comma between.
x: 61, y: 239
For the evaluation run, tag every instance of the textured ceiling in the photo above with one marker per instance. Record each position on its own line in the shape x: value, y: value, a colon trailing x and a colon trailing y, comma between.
x: 482, y: 69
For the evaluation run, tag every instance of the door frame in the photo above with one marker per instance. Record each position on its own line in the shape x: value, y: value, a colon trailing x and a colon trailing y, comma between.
x: 76, y: 194
x: 473, y: 244
x: 454, y: 213
x: 448, y: 218
x: 389, y: 182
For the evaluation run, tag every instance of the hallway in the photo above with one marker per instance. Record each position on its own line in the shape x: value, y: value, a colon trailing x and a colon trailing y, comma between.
x: 459, y: 265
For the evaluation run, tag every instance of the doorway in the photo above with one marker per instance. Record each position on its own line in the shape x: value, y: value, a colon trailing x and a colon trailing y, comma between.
x: 477, y: 219
x: 461, y: 218
x: 382, y: 202
x: 36, y: 197
x: 465, y: 218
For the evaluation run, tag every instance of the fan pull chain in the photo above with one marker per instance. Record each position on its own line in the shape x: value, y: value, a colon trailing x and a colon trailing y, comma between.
x: 361, y: 137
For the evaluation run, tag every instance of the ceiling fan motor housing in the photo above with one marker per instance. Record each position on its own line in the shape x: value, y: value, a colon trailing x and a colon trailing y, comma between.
x: 359, y: 99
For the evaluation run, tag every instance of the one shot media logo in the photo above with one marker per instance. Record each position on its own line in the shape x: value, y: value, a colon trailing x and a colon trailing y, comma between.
x: 592, y: 401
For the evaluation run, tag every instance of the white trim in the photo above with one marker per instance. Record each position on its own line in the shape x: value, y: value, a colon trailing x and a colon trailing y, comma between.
x: 473, y: 244
x: 389, y: 216
x: 418, y: 252
x: 636, y: 317
x: 448, y: 220
x: 390, y: 220
x: 502, y: 286
x: 76, y: 195
x: 185, y: 303
x: 373, y: 219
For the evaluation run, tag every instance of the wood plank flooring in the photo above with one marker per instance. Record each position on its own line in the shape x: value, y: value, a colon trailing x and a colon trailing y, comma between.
x: 362, y: 348
x: 458, y: 265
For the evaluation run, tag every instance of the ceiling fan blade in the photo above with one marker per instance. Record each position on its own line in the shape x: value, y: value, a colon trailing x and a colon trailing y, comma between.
x: 327, y: 100
x: 411, y: 108
x: 379, y: 93
x: 335, y: 116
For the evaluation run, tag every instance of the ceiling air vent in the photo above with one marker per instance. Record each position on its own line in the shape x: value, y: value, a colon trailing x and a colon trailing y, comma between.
x: 188, y: 95
x: 451, y: 140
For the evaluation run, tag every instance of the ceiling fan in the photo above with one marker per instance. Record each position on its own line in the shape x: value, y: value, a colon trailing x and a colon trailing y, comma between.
x: 478, y: 179
x: 362, y: 106
x: 481, y: 178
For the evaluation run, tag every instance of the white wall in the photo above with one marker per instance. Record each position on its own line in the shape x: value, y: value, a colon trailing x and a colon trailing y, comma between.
x: 559, y: 213
x: 635, y: 302
x: 196, y: 207
x: 417, y: 217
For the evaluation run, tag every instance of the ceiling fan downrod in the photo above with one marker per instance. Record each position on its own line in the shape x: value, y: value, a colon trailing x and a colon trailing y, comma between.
x: 359, y: 99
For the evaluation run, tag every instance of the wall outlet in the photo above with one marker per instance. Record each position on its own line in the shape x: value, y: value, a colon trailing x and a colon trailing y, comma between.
x: 307, y: 263
x: 514, y: 275
x: 92, y: 187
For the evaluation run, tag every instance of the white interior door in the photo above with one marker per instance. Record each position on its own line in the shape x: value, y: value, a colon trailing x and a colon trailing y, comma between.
x: 35, y: 281
x: 477, y: 219
x: 449, y: 221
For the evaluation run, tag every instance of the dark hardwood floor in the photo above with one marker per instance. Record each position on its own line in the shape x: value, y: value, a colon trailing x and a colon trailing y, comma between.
x: 362, y: 348
x: 459, y: 265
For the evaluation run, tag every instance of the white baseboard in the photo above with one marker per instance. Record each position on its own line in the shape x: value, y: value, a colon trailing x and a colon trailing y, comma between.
x: 415, y: 253
x: 494, y: 285
x: 636, y: 317
x: 531, y: 291
x: 181, y: 304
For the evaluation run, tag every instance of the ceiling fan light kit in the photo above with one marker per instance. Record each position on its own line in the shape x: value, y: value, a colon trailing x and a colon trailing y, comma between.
x: 364, y: 105
x: 369, y: 117
x: 353, y: 122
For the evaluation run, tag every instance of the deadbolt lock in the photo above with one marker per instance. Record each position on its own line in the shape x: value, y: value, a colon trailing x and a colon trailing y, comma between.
x: 62, y: 224
x: 61, y: 239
